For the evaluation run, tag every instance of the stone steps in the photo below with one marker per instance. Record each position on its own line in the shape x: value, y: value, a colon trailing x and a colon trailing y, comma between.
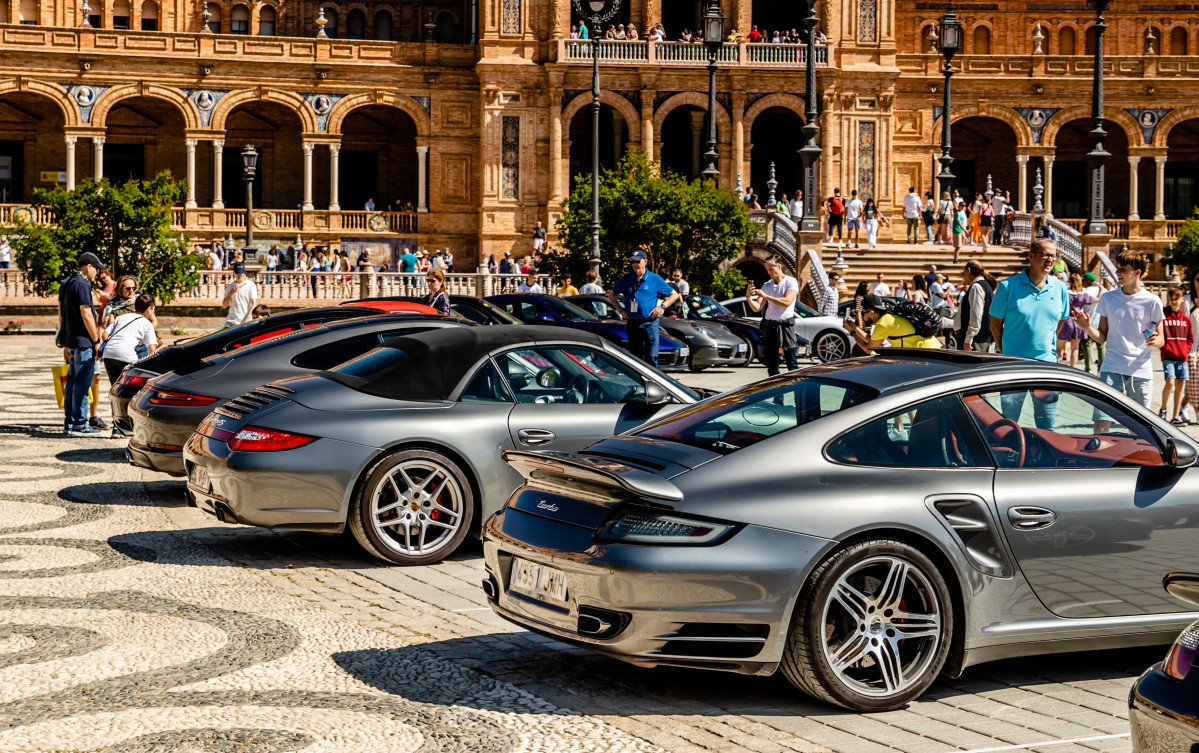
x: 900, y: 261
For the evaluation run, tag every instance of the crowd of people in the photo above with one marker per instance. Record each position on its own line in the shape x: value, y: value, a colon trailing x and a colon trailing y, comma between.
x: 657, y: 33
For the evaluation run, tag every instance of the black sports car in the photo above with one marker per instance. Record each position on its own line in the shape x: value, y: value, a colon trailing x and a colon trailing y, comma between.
x: 1163, y: 707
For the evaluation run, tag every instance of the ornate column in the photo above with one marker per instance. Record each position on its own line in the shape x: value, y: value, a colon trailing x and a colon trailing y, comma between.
x: 98, y: 154
x: 422, y: 178
x: 556, y: 180
x: 191, y: 174
x: 738, y: 138
x: 1134, y: 164
x: 697, y: 128
x: 71, y: 162
x: 1048, y: 200
x: 307, y: 145
x: 1159, y: 206
x: 334, y: 155
x: 218, y: 176
x: 1022, y: 202
x: 647, y: 122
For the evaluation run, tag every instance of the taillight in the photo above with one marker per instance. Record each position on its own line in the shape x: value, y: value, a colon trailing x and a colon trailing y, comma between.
x: 258, y: 439
x: 128, y: 380
x: 1182, y: 654
x: 169, y: 397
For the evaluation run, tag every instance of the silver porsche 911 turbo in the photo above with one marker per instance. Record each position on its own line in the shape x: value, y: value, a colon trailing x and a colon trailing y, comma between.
x: 864, y: 525
x: 403, y: 444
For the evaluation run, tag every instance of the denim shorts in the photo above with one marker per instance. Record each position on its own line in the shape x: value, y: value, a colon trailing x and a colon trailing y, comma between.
x: 1137, y: 388
x: 1175, y: 369
x: 854, y: 224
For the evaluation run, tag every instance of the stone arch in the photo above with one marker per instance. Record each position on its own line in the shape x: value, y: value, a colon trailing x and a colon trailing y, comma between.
x: 70, y: 112
x: 922, y: 45
x: 292, y: 101
x: 698, y: 100
x: 1132, y: 129
x: 113, y: 96
x: 402, y: 102
x: 1173, y: 118
x: 1006, y: 114
x: 779, y: 99
x: 1167, y: 43
x: 632, y: 118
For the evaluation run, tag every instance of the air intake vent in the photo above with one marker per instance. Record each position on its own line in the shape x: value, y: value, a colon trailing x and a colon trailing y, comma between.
x: 251, y: 402
x: 715, y: 640
x: 972, y: 525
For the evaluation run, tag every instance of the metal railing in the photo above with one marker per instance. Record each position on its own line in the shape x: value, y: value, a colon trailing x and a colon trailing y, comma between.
x: 645, y: 52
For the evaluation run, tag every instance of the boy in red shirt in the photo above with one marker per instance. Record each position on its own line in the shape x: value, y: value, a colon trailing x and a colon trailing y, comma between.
x: 1179, y: 337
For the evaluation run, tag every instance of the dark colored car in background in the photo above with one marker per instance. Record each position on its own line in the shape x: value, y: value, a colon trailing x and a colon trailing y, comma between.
x: 1163, y: 707
x: 477, y: 310
x: 704, y: 308
x: 673, y: 355
x: 711, y: 343
x: 185, y: 353
x: 170, y: 407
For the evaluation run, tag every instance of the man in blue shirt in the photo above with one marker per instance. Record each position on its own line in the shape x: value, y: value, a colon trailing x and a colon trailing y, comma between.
x: 642, y: 290
x: 408, y: 262
x: 1027, y: 311
x: 79, y: 335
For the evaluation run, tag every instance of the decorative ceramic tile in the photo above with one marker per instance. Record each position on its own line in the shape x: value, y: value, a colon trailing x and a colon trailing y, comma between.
x: 632, y: 95
x: 510, y: 157
x: 1037, y: 117
x: 1148, y: 120
x: 205, y: 101
x: 867, y: 20
x: 865, y: 158
x: 84, y: 97
x: 510, y: 17
x: 322, y: 105
x: 426, y: 103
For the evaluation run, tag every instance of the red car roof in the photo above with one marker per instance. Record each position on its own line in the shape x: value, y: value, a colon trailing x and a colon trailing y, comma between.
x: 392, y: 307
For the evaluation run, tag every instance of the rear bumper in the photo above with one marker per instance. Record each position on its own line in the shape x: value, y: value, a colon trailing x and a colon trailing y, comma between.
x: 163, y: 461
x: 1164, y: 713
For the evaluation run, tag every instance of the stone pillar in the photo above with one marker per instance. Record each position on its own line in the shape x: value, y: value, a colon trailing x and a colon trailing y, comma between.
x: 1159, y: 205
x: 647, y: 123
x: 98, y: 152
x: 1047, y: 199
x: 307, y: 146
x: 191, y: 173
x: 334, y: 154
x: 617, y: 131
x: 71, y: 162
x: 738, y: 139
x: 1022, y: 194
x: 556, y: 180
x: 218, y: 174
x: 422, y: 178
x: 697, y: 129
x: 1134, y: 164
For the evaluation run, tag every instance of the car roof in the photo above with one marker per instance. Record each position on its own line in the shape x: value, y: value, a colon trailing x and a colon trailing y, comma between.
x: 896, y: 369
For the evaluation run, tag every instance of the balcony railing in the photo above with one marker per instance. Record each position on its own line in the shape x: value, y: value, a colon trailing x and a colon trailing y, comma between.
x: 265, y: 220
x: 688, y: 54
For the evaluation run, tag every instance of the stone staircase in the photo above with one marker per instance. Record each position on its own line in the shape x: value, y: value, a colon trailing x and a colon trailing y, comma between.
x: 899, y: 261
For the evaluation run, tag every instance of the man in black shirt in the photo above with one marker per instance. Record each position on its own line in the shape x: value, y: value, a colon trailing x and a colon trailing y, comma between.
x: 79, y: 335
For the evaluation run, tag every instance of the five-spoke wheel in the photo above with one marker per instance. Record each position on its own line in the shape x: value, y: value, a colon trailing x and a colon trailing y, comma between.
x: 830, y: 346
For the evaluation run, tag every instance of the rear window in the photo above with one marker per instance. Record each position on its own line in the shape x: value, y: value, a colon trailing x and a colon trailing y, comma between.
x: 372, y: 363
x: 747, y: 416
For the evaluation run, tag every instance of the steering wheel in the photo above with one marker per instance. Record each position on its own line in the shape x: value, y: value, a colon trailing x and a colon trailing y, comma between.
x: 1021, y: 447
x: 581, y: 385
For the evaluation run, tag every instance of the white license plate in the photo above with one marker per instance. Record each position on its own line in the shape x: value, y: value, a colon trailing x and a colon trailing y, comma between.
x: 741, y: 348
x: 538, y: 581
x: 199, y: 478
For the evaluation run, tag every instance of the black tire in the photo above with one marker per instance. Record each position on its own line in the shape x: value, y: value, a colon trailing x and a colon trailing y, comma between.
x: 750, y: 352
x: 830, y: 346
x: 691, y: 365
x: 821, y: 618
x: 384, y: 538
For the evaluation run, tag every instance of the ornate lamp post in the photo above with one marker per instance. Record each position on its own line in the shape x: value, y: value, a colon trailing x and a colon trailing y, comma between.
x: 810, y: 152
x: 249, y: 164
x: 1097, y: 156
x: 595, y: 13
x: 714, y: 41
x: 949, y: 42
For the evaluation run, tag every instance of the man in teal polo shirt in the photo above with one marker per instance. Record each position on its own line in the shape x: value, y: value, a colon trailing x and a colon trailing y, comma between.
x: 1026, y: 313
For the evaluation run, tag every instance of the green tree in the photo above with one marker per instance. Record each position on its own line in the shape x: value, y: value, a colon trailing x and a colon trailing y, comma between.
x: 1184, y: 251
x: 126, y: 225
x: 680, y: 223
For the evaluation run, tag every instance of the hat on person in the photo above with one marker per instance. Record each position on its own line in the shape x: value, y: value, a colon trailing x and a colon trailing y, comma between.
x: 873, y: 302
x: 1089, y: 277
x: 638, y: 256
x: 239, y: 268
x: 422, y: 252
x: 87, y: 257
x: 507, y: 253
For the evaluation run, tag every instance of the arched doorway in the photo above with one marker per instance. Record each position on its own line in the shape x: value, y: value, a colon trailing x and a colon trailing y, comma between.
x: 678, y: 15
x: 684, y: 140
x: 378, y: 158
x: 1071, y: 175
x: 984, y: 146
x: 752, y: 269
x: 383, y: 26
x: 775, y: 135
x: 1182, y: 171
x: 31, y: 141
x: 144, y: 137
x: 772, y: 15
x: 274, y: 130
x: 613, y: 140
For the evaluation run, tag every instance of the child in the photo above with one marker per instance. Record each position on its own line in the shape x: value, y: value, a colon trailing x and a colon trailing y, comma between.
x: 261, y: 311
x: 1179, y: 338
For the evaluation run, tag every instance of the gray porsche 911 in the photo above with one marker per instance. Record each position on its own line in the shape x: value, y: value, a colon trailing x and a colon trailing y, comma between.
x: 403, y: 444
x: 864, y: 525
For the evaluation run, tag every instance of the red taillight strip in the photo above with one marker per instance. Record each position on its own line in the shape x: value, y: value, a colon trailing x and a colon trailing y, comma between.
x: 160, y: 396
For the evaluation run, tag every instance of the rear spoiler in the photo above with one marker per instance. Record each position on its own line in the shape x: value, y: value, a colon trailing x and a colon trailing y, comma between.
x: 594, y: 476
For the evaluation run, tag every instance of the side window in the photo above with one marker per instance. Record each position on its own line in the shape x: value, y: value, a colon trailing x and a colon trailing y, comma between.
x: 1048, y: 428
x: 533, y: 378
x: 486, y: 386
x: 737, y: 307
x: 467, y: 312
x: 935, y: 434
x: 600, y: 378
x: 329, y: 355
x: 522, y: 310
x: 569, y: 374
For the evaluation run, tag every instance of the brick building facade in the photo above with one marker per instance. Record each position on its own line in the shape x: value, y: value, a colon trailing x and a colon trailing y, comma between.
x: 474, y: 114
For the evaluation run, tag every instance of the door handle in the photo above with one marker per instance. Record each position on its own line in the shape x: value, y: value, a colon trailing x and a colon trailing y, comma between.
x: 535, y: 436
x: 1030, y: 518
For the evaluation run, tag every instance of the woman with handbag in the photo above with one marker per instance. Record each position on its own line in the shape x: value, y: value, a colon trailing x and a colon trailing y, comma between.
x: 944, y: 217
x: 120, y: 341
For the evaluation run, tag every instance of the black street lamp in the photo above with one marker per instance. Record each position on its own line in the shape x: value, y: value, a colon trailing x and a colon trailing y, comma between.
x: 595, y: 13
x: 714, y: 41
x: 949, y: 42
x: 249, y: 164
x: 1096, y: 158
x: 810, y: 152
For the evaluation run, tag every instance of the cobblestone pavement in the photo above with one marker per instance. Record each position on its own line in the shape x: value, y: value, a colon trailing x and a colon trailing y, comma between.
x: 131, y: 622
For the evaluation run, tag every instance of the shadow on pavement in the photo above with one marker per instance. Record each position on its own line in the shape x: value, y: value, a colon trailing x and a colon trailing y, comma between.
x: 161, y: 493
x: 94, y: 455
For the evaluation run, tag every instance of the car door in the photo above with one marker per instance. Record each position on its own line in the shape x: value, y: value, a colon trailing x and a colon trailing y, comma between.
x: 569, y: 396
x: 1093, y: 514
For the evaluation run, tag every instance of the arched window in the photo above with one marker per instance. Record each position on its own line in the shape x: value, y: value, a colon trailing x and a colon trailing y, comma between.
x: 214, y: 18
x: 1152, y: 41
x: 239, y: 20
x: 982, y: 41
x: 445, y: 27
x: 149, y: 16
x: 383, y: 26
x: 1088, y: 47
x: 266, y: 21
x: 331, y: 27
x: 356, y: 24
x: 29, y: 12
x: 1178, y: 41
x: 1065, y: 41
x: 3, y: 13
x: 120, y: 14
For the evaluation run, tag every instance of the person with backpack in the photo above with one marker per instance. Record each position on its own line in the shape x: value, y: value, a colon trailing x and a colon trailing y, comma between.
x: 904, y: 325
x: 836, y: 213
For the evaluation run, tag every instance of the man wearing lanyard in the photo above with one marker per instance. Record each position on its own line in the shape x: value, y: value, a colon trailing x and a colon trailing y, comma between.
x: 641, y: 289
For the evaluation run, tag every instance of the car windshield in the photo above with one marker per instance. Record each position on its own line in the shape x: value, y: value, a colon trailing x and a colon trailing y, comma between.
x: 707, y: 308
x: 567, y: 311
x: 803, y: 311
x: 738, y: 419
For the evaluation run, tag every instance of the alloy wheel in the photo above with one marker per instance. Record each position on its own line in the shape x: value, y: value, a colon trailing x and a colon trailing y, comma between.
x: 831, y: 347
x: 417, y: 508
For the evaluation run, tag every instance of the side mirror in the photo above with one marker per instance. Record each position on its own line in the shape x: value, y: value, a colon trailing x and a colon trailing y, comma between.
x: 654, y: 394
x: 1183, y: 586
x: 1180, y: 453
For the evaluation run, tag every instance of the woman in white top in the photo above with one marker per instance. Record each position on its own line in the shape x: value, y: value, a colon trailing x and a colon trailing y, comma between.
x: 122, y: 337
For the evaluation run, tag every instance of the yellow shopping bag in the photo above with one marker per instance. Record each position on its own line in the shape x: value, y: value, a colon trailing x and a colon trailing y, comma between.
x: 60, y: 385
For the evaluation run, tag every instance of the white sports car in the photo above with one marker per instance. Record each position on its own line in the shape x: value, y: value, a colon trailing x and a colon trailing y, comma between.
x: 826, y: 338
